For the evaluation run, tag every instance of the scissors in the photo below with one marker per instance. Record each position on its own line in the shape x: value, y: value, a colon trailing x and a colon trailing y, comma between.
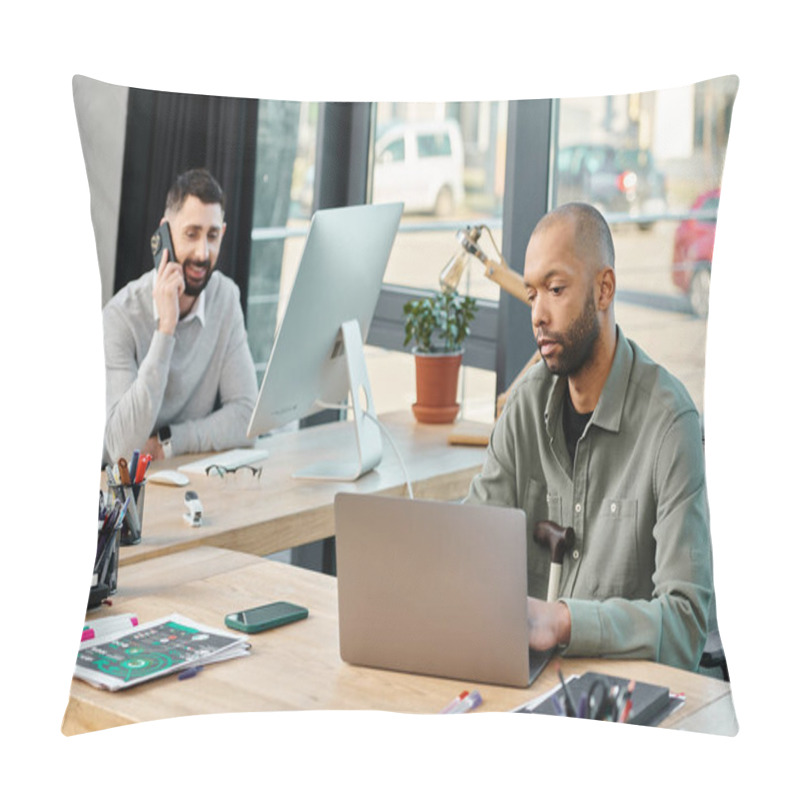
x: 602, y: 700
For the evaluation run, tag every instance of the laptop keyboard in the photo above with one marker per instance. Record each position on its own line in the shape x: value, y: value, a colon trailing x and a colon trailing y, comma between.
x: 538, y: 660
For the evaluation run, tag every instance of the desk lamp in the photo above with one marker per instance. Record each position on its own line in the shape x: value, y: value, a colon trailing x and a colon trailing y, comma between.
x: 496, y: 270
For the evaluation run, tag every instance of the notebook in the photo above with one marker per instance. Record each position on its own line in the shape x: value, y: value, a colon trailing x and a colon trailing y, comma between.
x: 434, y: 588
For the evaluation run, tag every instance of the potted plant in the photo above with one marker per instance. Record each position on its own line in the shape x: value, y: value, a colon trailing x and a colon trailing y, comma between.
x: 438, y: 324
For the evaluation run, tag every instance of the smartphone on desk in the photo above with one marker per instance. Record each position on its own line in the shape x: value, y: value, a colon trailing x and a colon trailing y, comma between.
x: 160, y: 241
x: 262, y: 618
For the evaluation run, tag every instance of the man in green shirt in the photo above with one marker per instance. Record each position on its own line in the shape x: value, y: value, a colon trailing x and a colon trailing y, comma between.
x: 598, y: 437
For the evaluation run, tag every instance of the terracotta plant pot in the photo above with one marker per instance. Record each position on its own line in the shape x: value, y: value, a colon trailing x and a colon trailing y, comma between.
x: 437, y: 386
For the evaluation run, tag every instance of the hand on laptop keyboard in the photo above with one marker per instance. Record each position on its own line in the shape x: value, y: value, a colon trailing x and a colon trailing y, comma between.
x: 549, y: 624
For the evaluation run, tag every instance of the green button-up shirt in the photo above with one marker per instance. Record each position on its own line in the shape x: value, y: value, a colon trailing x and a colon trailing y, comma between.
x: 638, y: 580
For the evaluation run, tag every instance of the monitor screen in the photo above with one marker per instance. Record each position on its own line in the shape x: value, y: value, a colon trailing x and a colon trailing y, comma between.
x: 339, y: 279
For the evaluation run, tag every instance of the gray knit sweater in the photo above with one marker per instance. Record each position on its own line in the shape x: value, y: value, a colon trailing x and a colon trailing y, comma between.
x: 201, y: 381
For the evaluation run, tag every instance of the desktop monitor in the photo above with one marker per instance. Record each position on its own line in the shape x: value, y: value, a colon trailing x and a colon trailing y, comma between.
x: 317, y: 358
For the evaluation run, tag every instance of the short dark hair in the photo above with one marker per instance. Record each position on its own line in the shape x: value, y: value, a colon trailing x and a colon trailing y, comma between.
x: 591, y: 228
x: 199, y: 183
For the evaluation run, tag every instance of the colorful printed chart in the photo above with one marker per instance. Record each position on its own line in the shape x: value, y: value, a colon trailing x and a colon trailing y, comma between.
x: 149, y: 651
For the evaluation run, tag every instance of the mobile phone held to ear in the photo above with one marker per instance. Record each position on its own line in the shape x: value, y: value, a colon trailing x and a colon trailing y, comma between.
x: 162, y: 240
x: 263, y: 618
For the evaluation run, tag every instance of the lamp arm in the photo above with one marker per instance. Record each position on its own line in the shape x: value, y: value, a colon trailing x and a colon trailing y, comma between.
x: 497, y: 271
x: 512, y: 282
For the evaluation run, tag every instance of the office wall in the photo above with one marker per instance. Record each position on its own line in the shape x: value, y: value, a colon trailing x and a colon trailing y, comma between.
x: 104, y: 106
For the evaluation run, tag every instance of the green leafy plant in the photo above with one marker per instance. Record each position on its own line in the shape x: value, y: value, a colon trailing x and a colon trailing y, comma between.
x: 439, y: 323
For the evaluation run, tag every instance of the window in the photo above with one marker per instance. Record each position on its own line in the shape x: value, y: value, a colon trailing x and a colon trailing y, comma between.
x: 645, y: 160
x: 451, y: 175
x: 284, y: 189
x: 444, y: 161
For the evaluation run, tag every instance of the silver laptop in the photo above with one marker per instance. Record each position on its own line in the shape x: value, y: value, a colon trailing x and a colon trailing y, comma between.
x: 434, y: 588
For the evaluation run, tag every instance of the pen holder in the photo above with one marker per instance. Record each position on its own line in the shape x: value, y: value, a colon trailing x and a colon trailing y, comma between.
x: 131, y: 531
x: 106, y: 566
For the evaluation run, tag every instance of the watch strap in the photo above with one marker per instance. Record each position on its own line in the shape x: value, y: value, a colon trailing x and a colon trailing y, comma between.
x: 165, y: 437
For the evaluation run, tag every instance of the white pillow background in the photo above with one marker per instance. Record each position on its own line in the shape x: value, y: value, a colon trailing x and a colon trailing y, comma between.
x: 52, y: 334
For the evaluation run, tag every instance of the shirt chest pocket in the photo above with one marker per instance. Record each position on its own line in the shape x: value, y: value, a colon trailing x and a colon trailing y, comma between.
x: 613, y: 562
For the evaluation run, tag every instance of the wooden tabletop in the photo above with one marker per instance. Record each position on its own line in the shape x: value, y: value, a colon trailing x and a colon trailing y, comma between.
x: 298, y: 666
x: 278, y: 511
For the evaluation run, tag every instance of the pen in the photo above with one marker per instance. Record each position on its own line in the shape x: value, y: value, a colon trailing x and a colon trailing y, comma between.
x: 133, y: 511
x: 105, y: 558
x: 110, y: 519
x: 626, y: 711
x: 571, y: 710
x: 110, y: 541
x: 134, y: 465
x: 144, y: 463
x: 127, y: 492
x: 111, y: 524
x: 454, y: 702
x: 121, y: 515
x: 190, y: 672
x: 472, y: 700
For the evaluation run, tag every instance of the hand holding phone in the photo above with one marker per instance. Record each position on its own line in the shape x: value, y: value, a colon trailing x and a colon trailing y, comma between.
x: 262, y: 618
x: 160, y: 241
x: 169, y: 284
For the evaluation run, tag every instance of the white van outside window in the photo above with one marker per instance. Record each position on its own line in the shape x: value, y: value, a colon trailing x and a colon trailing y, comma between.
x: 421, y: 164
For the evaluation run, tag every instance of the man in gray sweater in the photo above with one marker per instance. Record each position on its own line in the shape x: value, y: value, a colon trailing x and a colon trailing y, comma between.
x: 179, y: 374
x: 599, y: 438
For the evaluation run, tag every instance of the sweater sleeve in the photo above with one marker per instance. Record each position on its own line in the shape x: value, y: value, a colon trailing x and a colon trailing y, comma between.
x: 133, y: 392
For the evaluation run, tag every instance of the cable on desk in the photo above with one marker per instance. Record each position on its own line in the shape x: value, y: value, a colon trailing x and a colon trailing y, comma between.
x: 386, y: 433
x: 384, y: 430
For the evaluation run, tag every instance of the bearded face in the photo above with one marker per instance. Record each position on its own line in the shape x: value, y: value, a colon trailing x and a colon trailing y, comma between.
x: 566, y: 352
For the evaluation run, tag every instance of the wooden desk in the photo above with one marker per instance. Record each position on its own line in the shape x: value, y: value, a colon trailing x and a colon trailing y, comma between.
x: 156, y: 575
x: 280, y: 511
x: 298, y: 667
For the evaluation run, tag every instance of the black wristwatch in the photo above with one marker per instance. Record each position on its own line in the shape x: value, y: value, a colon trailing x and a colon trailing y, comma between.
x: 164, y: 437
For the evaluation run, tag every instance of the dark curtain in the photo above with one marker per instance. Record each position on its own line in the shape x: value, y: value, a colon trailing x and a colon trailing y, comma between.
x: 166, y: 134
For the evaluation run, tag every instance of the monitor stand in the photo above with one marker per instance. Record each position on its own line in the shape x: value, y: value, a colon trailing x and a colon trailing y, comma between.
x: 367, y: 433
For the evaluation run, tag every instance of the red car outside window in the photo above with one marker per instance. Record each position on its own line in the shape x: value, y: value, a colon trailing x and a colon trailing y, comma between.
x: 693, y: 251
